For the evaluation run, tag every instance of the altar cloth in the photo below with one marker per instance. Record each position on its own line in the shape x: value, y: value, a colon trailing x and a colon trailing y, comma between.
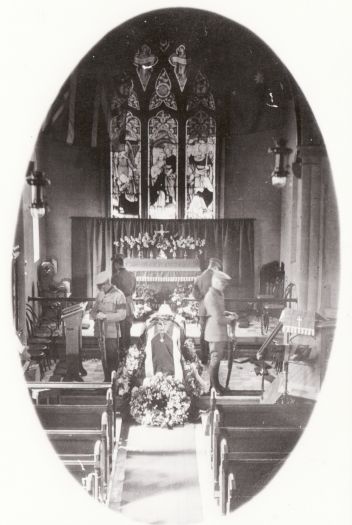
x: 163, y: 270
x: 298, y: 322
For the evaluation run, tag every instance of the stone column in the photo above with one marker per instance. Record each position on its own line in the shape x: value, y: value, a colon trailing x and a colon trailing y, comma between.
x: 310, y: 227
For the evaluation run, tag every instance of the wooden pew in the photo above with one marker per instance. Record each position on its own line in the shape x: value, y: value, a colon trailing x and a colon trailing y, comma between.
x: 243, y: 474
x: 253, y: 439
x: 51, y: 392
x: 93, y: 482
x: 264, y: 415
x: 229, y: 401
x: 249, y: 442
x: 76, y: 446
x: 231, y: 413
x: 73, y: 393
x: 70, y: 416
x: 80, y: 417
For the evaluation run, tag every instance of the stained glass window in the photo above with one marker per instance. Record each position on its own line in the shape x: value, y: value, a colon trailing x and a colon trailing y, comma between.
x: 200, y: 166
x: 163, y: 166
x: 163, y: 162
x: 126, y: 171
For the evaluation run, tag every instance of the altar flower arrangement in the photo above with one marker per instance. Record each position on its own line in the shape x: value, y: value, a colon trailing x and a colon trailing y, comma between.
x: 170, y: 245
x: 130, y: 372
x: 200, y: 244
x: 161, y: 401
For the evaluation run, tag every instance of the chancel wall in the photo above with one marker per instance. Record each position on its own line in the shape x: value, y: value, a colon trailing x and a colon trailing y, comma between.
x: 78, y: 188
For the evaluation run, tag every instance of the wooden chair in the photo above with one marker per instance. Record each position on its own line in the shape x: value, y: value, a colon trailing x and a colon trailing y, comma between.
x: 39, y: 356
x: 41, y: 331
x: 273, y: 307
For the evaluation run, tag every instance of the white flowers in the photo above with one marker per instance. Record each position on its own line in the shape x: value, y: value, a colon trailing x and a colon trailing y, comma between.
x: 161, y: 401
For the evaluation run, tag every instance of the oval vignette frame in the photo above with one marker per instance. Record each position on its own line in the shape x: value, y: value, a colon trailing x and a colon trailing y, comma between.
x: 252, y: 501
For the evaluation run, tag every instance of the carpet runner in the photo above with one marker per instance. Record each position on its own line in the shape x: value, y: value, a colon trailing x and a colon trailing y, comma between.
x: 160, y: 483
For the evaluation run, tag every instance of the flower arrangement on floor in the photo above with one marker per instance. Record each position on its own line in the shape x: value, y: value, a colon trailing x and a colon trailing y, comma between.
x: 161, y: 401
x: 192, y: 370
x: 130, y: 372
x: 184, y: 302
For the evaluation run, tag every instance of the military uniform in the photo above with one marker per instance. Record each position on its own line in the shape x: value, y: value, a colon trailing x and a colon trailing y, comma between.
x: 126, y: 282
x: 200, y: 287
x: 215, y: 332
x: 113, y: 305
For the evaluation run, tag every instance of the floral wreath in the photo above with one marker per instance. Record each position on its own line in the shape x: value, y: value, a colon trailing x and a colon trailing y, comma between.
x: 161, y: 401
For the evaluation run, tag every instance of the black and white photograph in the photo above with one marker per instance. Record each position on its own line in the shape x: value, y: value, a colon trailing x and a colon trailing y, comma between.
x: 176, y: 277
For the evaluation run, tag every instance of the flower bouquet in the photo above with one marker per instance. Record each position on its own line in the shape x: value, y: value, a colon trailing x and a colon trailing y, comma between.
x: 130, y: 372
x: 146, y: 301
x: 161, y: 401
x: 192, y: 370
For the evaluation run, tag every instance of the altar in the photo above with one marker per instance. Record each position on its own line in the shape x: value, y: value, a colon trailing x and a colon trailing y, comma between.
x: 163, y: 274
x: 96, y: 240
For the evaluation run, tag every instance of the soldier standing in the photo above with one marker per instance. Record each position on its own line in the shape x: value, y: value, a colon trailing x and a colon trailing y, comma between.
x: 216, y: 325
x: 200, y: 287
x: 109, y: 308
x: 125, y: 281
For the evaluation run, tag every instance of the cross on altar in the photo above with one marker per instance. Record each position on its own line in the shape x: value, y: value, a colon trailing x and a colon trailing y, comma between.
x: 161, y: 231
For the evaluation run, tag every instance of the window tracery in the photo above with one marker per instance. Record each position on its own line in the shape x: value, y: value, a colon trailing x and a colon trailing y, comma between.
x: 177, y: 121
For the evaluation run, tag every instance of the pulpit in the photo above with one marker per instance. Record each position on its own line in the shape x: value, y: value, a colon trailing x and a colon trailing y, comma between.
x: 72, y: 322
x: 309, y: 342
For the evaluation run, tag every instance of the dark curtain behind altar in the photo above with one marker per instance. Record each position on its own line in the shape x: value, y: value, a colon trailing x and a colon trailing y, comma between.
x: 232, y: 240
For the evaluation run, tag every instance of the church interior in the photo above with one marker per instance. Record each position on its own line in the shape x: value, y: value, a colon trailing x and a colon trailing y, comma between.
x: 179, y: 138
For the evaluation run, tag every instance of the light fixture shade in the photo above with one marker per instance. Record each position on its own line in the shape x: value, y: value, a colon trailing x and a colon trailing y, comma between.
x: 278, y: 182
x: 37, y: 212
x: 282, y: 166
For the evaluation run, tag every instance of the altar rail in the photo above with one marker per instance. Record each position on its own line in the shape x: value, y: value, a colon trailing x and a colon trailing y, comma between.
x: 92, y: 299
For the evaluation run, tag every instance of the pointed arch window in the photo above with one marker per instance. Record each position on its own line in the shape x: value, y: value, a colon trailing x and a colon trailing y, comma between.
x: 126, y: 171
x: 200, y: 166
x: 163, y: 166
x: 163, y: 161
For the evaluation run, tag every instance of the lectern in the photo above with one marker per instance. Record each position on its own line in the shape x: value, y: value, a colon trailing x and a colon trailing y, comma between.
x: 72, y: 321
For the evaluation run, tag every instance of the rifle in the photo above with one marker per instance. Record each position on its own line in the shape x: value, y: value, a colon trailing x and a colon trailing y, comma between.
x: 101, y: 342
x: 231, y: 347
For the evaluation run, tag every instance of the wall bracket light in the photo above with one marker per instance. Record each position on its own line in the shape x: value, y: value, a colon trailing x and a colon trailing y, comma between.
x: 281, y: 167
x: 37, y: 181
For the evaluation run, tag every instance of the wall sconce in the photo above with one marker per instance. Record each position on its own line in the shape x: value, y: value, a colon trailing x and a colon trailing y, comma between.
x: 282, y: 167
x: 37, y: 180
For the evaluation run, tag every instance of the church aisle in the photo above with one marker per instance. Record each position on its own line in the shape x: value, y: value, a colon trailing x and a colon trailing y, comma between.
x: 161, y: 483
